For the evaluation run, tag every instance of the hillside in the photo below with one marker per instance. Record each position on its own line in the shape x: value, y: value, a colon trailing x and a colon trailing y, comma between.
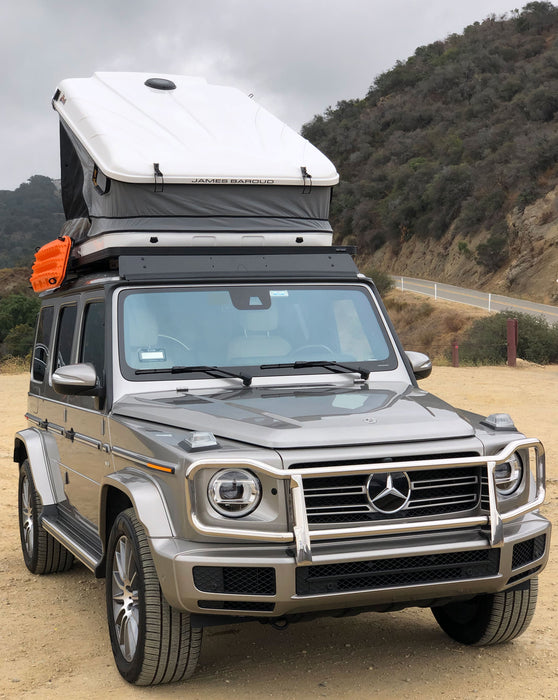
x: 29, y: 216
x: 449, y: 165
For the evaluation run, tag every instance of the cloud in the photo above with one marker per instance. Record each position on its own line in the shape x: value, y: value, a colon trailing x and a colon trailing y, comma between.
x: 297, y: 56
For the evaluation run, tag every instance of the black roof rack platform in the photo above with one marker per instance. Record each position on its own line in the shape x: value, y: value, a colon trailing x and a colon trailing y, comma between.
x: 238, y: 263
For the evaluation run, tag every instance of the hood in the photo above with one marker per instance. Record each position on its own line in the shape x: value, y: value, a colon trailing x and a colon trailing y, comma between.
x: 280, y: 417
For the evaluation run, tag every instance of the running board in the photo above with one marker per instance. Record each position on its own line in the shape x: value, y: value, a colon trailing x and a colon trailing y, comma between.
x: 77, y: 539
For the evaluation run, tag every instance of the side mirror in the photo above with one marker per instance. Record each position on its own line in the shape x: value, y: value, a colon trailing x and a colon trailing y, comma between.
x: 76, y: 379
x: 421, y: 364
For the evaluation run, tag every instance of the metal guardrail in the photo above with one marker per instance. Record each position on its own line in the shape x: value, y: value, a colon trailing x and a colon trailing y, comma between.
x: 484, y: 300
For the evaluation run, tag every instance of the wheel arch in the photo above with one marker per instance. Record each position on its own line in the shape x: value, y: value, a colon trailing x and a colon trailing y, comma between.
x: 131, y: 488
x: 40, y: 448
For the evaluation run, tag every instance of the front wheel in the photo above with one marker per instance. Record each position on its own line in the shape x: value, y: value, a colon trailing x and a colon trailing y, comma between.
x: 152, y: 642
x: 490, y: 619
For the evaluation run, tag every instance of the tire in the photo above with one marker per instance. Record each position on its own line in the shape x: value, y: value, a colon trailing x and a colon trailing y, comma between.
x: 490, y: 619
x: 152, y: 642
x: 42, y: 554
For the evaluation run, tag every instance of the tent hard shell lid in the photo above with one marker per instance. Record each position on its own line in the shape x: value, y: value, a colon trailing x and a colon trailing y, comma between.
x: 172, y: 159
x: 196, y: 132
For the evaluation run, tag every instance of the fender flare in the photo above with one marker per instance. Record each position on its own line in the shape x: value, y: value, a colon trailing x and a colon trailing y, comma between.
x: 40, y: 448
x: 147, y: 500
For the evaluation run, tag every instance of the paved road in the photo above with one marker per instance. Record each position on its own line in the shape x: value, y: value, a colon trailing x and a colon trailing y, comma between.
x: 491, y: 302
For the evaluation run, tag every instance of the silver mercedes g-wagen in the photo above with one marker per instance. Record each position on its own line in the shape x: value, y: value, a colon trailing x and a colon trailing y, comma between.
x: 247, y: 441
x: 222, y: 421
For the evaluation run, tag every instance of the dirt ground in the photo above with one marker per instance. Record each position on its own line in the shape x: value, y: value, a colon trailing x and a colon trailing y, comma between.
x: 54, y: 641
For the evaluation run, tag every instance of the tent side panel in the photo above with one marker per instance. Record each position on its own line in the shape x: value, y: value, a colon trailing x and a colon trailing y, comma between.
x: 138, y: 200
x: 206, y: 225
x: 71, y: 174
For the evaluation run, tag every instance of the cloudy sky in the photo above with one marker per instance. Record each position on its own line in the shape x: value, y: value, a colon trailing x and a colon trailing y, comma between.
x: 296, y: 56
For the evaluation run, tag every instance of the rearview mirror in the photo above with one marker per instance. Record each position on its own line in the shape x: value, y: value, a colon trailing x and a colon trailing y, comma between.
x: 420, y: 364
x: 76, y: 379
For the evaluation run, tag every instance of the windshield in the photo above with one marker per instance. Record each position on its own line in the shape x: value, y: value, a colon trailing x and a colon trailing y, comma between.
x: 251, y: 326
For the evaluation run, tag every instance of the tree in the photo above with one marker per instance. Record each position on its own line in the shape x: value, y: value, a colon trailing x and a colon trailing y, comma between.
x: 15, y: 310
x: 536, y: 16
x: 542, y: 104
x: 19, y: 340
x: 30, y: 216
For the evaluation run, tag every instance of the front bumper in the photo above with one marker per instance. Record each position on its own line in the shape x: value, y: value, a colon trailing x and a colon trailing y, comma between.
x: 266, y: 581
x: 372, y: 565
x: 304, y: 538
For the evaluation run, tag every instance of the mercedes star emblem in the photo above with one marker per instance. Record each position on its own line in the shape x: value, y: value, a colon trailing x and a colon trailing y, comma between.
x: 390, y: 492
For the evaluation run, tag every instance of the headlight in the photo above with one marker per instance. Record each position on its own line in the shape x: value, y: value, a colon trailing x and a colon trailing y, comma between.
x: 509, y: 475
x: 234, y: 492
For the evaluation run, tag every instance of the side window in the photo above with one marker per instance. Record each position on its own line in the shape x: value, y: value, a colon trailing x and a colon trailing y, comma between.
x: 93, y: 336
x: 66, y: 328
x: 42, y: 343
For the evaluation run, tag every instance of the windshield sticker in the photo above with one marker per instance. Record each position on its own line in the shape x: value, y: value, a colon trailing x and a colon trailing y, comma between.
x: 278, y: 293
x: 155, y: 355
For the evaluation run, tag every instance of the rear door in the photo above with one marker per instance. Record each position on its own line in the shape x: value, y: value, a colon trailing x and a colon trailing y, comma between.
x: 80, y: 337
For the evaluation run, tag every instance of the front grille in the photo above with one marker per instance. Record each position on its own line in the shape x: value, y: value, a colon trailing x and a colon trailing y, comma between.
x: 485, y: 494
x: 400, y: 571
x: 527, y: 551
x: 434, y: 492
x: 241, y: 605
x: 242, y: 580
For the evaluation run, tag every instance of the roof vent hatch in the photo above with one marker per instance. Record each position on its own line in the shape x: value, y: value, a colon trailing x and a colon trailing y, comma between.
x: 160, y: 84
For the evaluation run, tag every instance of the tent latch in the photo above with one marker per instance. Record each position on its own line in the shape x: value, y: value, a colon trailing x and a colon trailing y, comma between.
x: 306, y: 180
x: 159, y: 184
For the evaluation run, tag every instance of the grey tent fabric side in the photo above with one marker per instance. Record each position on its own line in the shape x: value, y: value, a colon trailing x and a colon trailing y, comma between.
x: 207, y: 225
x: 76, y: 175
x: 71, y: 175
x: 115, y: 206
x: 137, y: 200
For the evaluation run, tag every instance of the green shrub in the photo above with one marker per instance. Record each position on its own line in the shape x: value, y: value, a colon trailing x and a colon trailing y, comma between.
x: 527, y: 196
x: 17, y: 309
x: 494, y: 252
x: 464, y: 249
x: 424, y: 310
x: 19, y: 340
x: 382, y: 280
x: 486, y: 341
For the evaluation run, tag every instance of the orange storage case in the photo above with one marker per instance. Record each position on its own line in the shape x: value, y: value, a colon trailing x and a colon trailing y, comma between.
x: 50, y: 264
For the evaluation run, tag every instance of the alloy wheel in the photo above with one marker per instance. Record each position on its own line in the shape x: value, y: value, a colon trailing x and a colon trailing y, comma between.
x: 125, y: 597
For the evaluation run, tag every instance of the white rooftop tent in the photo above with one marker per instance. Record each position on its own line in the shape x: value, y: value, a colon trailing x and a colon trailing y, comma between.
x: 172, y: 158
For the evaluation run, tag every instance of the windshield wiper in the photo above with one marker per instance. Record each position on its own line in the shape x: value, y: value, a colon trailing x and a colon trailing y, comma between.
x: 326, y: 364
x: 212, y: 371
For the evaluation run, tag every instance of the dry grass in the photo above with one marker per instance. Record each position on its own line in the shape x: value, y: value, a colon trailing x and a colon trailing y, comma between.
x: 429, y: 326
x: 546, y: 216
x: 14, y: 365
